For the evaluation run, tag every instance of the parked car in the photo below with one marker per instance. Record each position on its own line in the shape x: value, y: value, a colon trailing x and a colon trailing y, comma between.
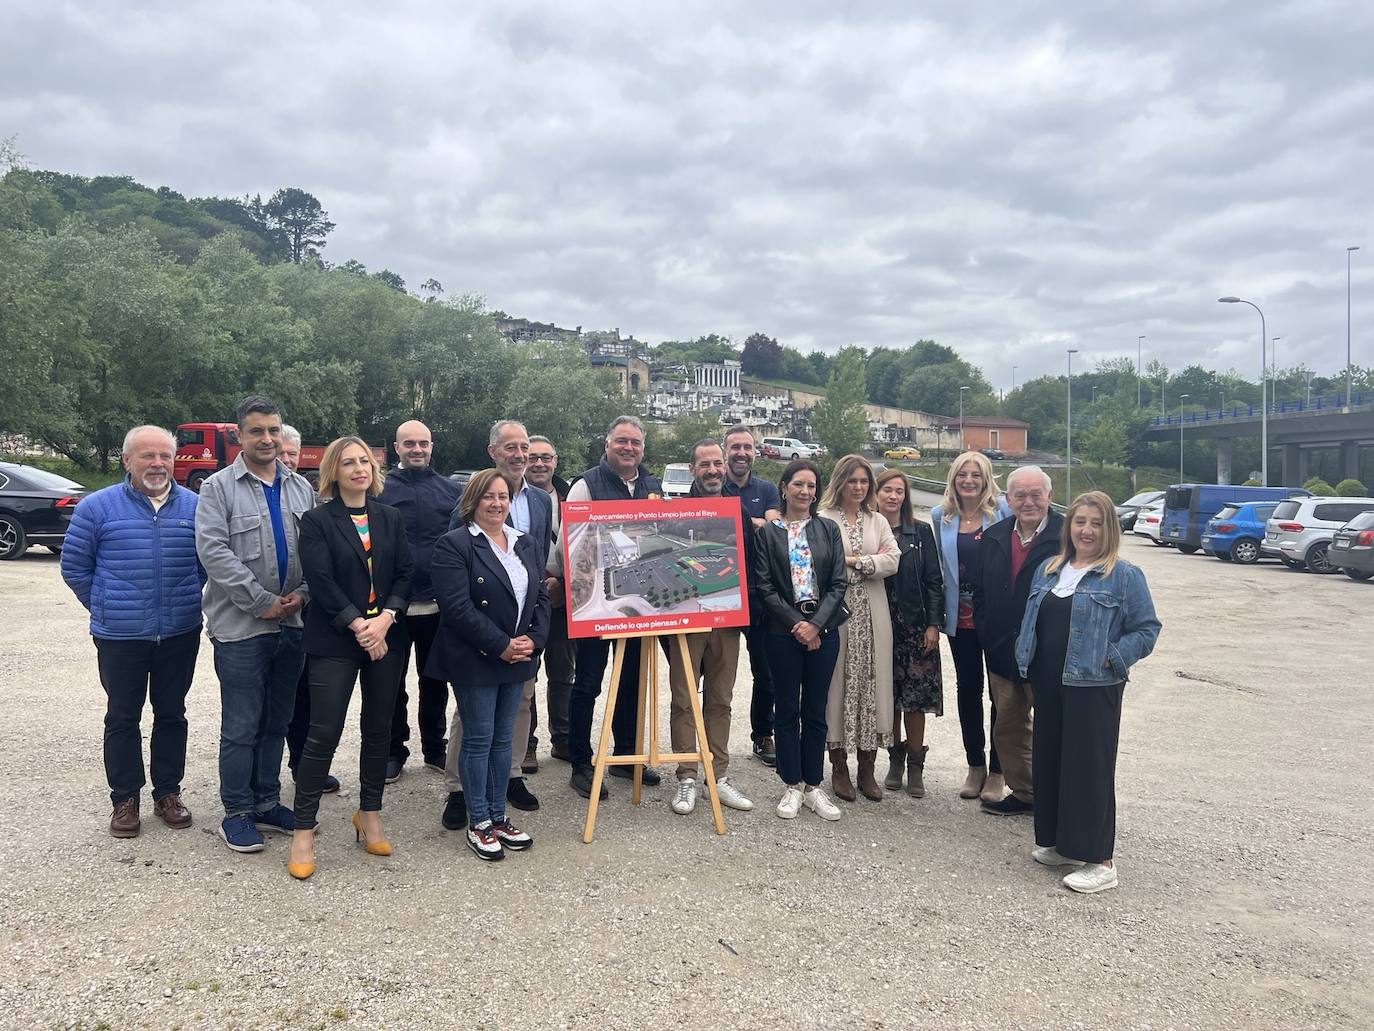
x: 788, y: 448
x: 909, y: 453
x: 1299, y: 532
x: 1236, y: 532
x: 993, y: 454
x: 677, y: 480
x: 1352, y: 547
x: 1188, y: 506
x: 1126, y: 511
x: 36, y: 507
x: 461, y: 476
x: 1148, y: 520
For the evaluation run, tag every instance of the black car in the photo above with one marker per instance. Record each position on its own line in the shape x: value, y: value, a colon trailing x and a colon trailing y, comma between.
x: 461, y: 476
x: 994, y: 454
x: 35, y: 508
x: 1352, y: 548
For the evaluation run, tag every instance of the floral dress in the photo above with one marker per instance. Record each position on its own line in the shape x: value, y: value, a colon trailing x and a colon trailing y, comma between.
x: 860, y: 678
x: 917, y: 679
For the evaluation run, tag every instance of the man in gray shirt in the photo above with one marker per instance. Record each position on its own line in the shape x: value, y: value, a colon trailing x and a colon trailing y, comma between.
x: 246, y: 525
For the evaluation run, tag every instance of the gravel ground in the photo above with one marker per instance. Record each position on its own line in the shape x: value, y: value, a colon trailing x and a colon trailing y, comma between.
x: 1238, y: 905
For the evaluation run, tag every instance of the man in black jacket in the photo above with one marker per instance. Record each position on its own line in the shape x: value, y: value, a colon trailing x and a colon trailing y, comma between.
x: 425, y: 499
x: 618, y: 477
x: 1009, y: 554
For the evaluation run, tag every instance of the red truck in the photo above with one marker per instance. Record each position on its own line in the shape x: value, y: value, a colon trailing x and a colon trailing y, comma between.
x: 207, y: 447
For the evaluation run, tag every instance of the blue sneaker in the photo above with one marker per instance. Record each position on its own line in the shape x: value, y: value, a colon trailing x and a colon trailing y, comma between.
x: 279, y: 819
x: 240, y: 835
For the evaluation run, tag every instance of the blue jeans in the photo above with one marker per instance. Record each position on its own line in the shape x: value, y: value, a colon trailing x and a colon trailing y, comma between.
x: 488, y: 712
x: 257, y: 691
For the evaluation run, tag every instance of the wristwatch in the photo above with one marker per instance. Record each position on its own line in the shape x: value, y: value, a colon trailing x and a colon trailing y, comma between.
x: 395, y: 614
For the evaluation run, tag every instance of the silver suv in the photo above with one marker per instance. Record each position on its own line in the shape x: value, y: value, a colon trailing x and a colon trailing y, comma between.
x: 1299, y: 532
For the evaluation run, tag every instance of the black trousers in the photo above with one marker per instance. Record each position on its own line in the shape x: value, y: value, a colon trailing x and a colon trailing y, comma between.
x: 592, y: 653
x: 803, y: 685
x: 1073, y: 756
x: 967, y: 651
x: 299, y: 726
x: 432, y: 717
x: 761, y: 702
x: 560, y: 660
x: 132, y: 672
x: 331, y: 689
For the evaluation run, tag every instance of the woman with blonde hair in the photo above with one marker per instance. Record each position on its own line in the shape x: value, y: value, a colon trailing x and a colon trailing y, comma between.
x: 1089, y: 618
x: 971, y: 504
x: 858, y: 709
x: 356, y: 559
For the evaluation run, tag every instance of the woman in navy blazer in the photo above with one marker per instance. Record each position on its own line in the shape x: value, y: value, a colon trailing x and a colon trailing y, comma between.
x: 356, y: 558
x: 494, y: 621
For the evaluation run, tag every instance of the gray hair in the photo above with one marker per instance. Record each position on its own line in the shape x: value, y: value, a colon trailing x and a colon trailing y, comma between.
x: 129, y: 437
x: 494, y: 437
x: 621, y: 420
x: 1049, y: 484
x: 539, y: 438
x: 290, y: 435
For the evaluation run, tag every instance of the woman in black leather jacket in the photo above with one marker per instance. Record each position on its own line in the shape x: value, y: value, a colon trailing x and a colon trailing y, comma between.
x: 800, y: 579
x: 915, y: 598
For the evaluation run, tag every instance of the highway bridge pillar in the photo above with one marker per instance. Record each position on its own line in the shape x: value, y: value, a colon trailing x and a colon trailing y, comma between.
x: 1350, y: 460
x: 1294, y: 466
x: 1224, y: 460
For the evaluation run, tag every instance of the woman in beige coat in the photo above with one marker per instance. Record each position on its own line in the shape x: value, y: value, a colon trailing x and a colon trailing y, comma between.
x: 859, y: 709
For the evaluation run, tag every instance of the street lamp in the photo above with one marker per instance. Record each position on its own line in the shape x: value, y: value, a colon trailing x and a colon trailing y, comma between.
x: 1068, y: 433
x: 1264, y: 388
x: 1274, y: 369
x: 961, y: 417
x: 1181, y: 399
x: 1139, y: 349
x: 1308, y: 374
x: 1013, y: 378
x: 1347, y: 323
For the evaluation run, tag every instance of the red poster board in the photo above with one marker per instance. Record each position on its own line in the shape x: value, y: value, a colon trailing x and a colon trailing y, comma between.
x: 653, y: 566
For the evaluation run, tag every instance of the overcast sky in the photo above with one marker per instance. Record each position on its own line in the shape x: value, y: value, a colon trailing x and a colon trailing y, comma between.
x: 1008, y: 179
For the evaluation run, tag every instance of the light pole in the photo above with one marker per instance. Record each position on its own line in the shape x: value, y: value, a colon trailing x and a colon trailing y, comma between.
x: 961, y: 417
x: 1348, y: 251
x: 1264, y: 388
x: 1274, y: 369
x: 1308, y: 374
x: 1068, y: 433
x: 1139, y: 350
x: 1013, y: 378
x: 1181, y: 399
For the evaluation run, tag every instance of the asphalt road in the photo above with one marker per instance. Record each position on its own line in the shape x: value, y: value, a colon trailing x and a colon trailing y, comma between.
x: 1241, y: 846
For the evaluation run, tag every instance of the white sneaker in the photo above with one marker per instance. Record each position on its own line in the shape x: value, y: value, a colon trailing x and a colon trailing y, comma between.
x: 791, y: 804
x: 819, y: 803
x: 1051, y: 856
x: 686, y: 798
x: 1094, y: 877
x: 732, y: 796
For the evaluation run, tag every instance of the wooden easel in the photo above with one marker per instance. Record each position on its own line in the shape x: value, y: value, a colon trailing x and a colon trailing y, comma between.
x: 648, y: 701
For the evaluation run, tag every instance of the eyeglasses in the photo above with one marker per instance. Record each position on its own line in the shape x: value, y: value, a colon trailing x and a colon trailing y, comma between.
x: 542, y: 458
x: 1034, y: 495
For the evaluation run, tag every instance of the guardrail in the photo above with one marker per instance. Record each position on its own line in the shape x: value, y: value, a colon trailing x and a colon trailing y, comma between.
x: 1323, y: 403
x: 938, y: 487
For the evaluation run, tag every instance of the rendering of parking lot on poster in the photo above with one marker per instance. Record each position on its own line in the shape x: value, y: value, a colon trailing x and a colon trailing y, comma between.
x: 653, y: 566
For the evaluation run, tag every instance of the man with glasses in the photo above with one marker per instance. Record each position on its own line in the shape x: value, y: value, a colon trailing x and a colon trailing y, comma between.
x: 559, y: 655
x: 425, y: 498
x: 1008, y: 556
x: 760, y: 502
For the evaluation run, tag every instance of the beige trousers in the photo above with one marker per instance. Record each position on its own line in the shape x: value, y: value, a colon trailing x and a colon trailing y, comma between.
x: 520, y: 740
x: 714, y: 657
x: 1011, y: 734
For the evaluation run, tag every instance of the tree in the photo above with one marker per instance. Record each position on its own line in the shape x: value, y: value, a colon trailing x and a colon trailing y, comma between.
x: 301, y: 221
x: 840, y: 419
x: 1105, y: 441
x: 762, y: 356
x: 391, y: 279
x: 432, y: 289
x: 558, y: 394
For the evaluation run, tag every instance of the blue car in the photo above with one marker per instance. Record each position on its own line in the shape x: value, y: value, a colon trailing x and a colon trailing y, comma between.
x: 1235, y: 532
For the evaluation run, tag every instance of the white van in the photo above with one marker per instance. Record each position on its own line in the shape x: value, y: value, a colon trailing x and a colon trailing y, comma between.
x: 677, y: 480
x: 788, y: 448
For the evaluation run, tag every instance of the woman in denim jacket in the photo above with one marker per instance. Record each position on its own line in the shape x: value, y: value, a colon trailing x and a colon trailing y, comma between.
x: 1089, y: 619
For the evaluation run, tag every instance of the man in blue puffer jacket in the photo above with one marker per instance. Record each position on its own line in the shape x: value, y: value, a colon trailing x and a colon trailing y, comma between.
x: 130, y: 557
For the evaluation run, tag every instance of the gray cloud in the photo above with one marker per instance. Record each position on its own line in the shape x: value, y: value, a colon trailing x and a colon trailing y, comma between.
x: 1009, y: 180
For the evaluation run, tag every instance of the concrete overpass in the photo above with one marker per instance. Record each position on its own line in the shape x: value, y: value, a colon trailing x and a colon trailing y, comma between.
x: 1295, y: 429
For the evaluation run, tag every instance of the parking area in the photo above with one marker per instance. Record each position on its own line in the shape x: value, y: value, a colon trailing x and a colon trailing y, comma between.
x: 1241, y: 844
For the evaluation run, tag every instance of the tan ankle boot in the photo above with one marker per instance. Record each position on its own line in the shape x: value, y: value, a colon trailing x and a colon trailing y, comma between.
x: 839, y: 775
x: 868, y: 783
x: 973, y: 783
x: 993, y: 788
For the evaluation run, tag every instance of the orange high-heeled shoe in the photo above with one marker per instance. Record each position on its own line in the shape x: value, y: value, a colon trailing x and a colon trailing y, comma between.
x: 301, y: 871
x: 381, y: 847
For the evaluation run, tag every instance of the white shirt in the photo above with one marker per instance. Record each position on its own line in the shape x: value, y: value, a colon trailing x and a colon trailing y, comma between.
x: 516, y: 572
x: 1069, y: 579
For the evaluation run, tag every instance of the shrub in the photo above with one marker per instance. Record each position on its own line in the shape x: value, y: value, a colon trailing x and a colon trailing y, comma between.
x: 1252, y: 482
x: 1319, y: 487
x: 1351, y: 489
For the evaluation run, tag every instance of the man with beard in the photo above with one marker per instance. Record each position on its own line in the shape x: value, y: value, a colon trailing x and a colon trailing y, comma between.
x: 714, y: 656
x: 131, y: 548
x: 760, y: 502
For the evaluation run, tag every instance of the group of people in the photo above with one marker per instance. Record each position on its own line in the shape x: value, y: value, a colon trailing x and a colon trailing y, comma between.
x: 306, y: 593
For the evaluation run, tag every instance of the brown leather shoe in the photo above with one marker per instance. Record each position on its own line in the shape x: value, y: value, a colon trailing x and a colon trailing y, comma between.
x: 125, y: 823
x: 839, y: 775
x: 172, y: 812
